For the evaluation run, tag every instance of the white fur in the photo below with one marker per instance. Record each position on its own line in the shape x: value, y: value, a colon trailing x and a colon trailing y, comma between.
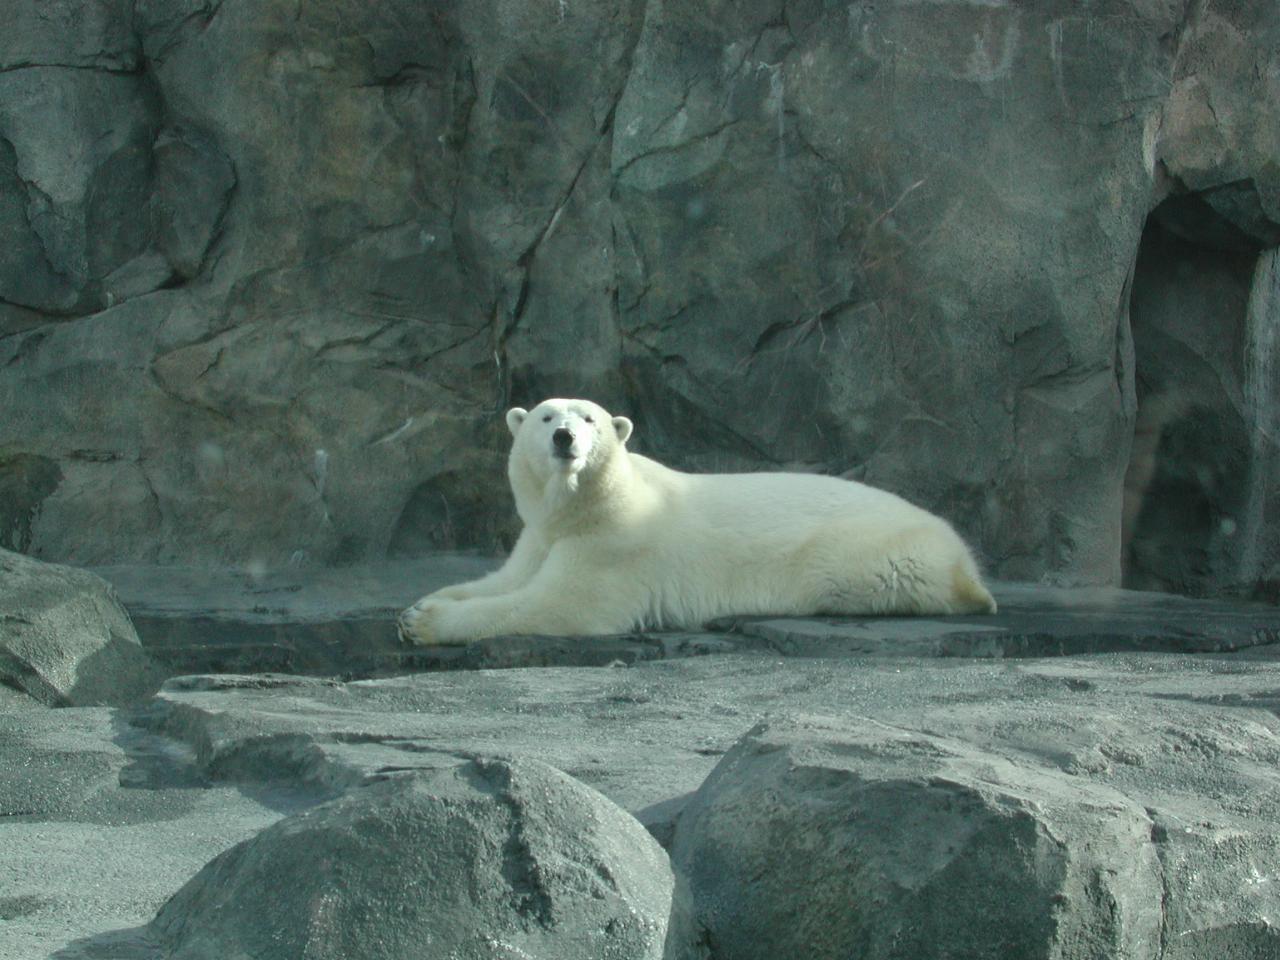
x: 614, y: 541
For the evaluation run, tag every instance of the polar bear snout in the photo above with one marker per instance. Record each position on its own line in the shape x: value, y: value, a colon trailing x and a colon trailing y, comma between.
x: 562, y: 443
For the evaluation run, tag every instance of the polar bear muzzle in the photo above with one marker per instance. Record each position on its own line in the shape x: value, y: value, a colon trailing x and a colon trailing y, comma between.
x: 562, y: 443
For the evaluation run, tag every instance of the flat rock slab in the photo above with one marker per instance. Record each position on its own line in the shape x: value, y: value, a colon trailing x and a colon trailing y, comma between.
x: 1034, y: 621
x: 340, y: 623
x: 305, y: 620
x: 101, y: 822
x: 1191, y: 742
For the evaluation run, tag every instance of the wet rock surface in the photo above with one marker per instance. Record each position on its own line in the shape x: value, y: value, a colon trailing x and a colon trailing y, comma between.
x: 335, y: 623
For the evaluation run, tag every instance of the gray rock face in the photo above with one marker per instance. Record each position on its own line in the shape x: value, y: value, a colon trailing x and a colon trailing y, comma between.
x: 309, y: 253
x: 487, y: 859
x: 64, y: 638
x: 1205, y: 309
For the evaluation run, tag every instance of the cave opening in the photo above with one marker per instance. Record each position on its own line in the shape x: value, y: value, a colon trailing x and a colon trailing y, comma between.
x: 1204, y: 308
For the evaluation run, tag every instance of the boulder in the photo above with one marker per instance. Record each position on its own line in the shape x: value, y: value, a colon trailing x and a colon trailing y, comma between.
x: 485, y: 859
x: 862, y: 839
x: 65, y: 639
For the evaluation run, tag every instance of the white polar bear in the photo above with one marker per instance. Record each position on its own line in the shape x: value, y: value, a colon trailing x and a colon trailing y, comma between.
x: 614, y: 541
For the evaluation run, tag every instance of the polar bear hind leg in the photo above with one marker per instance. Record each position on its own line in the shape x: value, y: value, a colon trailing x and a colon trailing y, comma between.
x: 967, y: 591
x: 920, y: 570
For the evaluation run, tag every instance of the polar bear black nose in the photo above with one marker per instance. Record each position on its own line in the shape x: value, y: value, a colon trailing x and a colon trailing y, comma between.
x: 562, y: 438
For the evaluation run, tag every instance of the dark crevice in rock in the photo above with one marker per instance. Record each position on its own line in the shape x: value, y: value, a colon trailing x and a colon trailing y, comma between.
x: 406, y: 74
x: 1192, y: 11
x: 520, y: 866
x: 179, y: 33
x: 796, y: 127
x: 1229, y: 217
x: 800, y: 328
x: 26, y: 482
x: 158, y: 382
x: 677, y: 148
x: 129, y: 70
x: 673, y: 319
x: 524, y: 264
x: 447, y: 348
x: 1187, y: 524
x: 355, y: 341
x: 151, y: 492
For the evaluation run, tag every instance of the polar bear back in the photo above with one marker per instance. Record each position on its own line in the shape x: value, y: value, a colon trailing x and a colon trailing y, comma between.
x: 774, y: 542
x: 767, y: 506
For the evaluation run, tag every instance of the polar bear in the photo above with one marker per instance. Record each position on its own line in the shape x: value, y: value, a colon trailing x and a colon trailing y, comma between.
x: 614, y: 541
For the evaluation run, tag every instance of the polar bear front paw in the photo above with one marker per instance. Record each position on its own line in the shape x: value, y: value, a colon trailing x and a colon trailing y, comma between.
x: 419, y: 625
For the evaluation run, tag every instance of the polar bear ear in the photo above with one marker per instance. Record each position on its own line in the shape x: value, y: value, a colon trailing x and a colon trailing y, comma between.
x: 515, y: 417
x: 622, y: 427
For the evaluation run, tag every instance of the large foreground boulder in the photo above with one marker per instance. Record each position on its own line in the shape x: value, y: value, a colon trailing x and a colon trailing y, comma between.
x: 65, y: 639
x: 859, y: 839
x: 488, y: 859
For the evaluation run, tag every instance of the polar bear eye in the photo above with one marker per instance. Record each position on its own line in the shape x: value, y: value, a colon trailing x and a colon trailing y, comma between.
x: 588, y: 418
x: 547, y: 418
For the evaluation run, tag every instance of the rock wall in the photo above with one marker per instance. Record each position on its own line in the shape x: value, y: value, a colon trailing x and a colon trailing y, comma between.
x: 270, y: 271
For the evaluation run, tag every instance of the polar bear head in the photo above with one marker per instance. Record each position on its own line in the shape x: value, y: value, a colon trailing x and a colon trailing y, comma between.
x: 564, y: 438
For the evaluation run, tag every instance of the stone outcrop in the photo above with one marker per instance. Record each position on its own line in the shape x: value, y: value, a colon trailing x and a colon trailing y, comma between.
x: 65, y: 640
x: 481, y: 860
x: 856, y: 838
x: 310, y: 253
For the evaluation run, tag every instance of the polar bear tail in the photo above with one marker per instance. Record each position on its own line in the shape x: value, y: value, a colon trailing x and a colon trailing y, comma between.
x: 968, y: 593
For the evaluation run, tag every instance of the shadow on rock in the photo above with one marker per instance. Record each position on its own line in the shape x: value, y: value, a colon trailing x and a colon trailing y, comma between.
x: 132, y: 943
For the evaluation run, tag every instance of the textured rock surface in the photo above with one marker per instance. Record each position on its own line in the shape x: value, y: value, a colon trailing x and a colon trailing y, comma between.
x: 101, y: 823
x: 485, y: 859
x: 1169, y: 759
x: 64, y: 638
x: 1205, y: 313
x: 310, y: 252
x: 856, y: 838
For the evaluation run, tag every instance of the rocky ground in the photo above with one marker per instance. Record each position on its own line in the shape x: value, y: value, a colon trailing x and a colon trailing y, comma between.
x: 1097, y: 772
